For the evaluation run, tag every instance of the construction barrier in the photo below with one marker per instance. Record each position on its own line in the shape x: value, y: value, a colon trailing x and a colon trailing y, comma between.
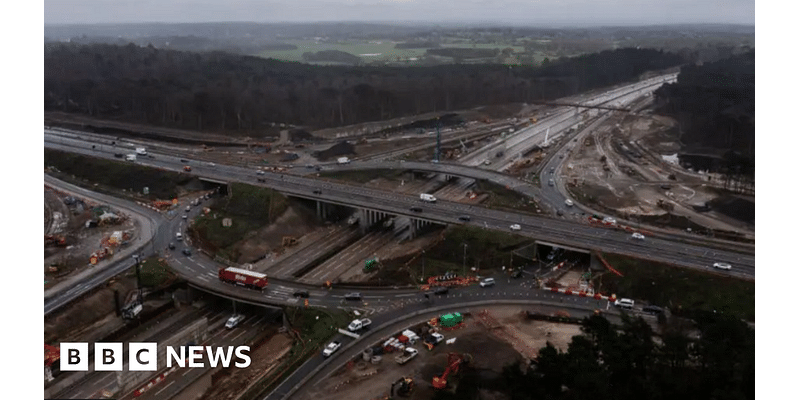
x: 153, y: 382
x: 596, y: 296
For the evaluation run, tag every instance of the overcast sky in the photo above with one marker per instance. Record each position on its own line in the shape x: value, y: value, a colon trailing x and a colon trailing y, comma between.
x: 559, y: 12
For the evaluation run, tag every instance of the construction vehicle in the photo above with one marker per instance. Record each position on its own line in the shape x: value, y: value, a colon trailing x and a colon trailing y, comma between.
x: 408, y: 354
x: 359, y: 324
x: 451, y: 320
x: 433, y: 339
x: 454, y: 362
x: 56, y: 240
x: 403, y: 387
x: 288, y: 241
x: 369, y: 265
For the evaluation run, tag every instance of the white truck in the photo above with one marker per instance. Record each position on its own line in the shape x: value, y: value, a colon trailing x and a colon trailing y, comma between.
x: 359, y: 324
x: 130, y: 157
x: 343, y: 160
x: 141, y: 151
x: 331, y: 348
x: 408, y: 354
x: 412, y: 337
x: 427, y: 197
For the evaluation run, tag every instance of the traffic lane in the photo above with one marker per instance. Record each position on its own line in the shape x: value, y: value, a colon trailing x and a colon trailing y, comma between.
x: 294, y: 183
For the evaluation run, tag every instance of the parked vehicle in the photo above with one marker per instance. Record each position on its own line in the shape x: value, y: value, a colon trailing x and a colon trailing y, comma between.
x: 408, y: 354
x: 331, y: 348
x: 487, y: 282
x: 359, y: 324
x: 654, y: 310
x: 243, y: 277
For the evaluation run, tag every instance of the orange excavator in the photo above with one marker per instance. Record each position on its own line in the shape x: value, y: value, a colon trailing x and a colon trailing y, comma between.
x: 454, y: 361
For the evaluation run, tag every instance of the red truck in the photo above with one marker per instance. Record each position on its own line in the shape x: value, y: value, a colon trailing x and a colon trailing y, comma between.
x: 243, y: 277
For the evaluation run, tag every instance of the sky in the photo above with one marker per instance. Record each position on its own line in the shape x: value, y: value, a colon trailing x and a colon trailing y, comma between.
x: 547, y: 12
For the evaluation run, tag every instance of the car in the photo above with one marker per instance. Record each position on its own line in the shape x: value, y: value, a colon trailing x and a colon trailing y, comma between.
x: 561, y: 156
x: 211, y: 164
x: 624, y: 303
x: 515, y: 227
x: 188, y: 208
x: 183, y: 160
x: 171, y: 246
x: 551, y: 182
x: 301, y: 293
x: 317, y: 191
x: 552, y: 169
x: 721, y: 265
x: 187, y: 168
x: 260, y: 172
x: 118, y: 155
x: 487, y: 282
x: 416, y: 209
x: 261, y: 179
x: 652, y: 309
x: 331, y: 348
x: 179, y: 236
x: 516, y: 274
x: 666, y: 187
x: 441, y: 290
x: 568, y: 202
x: 352, y: 296
x: 637, y: 235
x: 187, y: 252
x: 185, y: 216
x: 234, y: 320
x: 559, y: 212
x: 465, y: 218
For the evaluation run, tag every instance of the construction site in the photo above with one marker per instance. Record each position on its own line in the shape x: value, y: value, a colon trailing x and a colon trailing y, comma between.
x: 448, y: 348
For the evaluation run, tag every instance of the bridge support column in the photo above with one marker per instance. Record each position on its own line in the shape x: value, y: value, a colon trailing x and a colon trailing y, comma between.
x: 412, y: 227
x: 363, y: 224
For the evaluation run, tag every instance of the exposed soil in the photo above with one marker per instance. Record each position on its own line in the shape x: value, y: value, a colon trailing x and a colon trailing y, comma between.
x: 511, y: 339
x: 295, y: 222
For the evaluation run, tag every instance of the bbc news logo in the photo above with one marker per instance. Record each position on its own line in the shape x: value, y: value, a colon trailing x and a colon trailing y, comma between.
x: 144, y: 356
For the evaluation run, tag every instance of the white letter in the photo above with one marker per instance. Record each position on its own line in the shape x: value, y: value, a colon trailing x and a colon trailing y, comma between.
x: 213, y: 358
x: 194, y: 356
x: 143, y: 356
x: 179, y: 359
x: 74, y: 356
x: 108, y: 356
x: 244, y: 357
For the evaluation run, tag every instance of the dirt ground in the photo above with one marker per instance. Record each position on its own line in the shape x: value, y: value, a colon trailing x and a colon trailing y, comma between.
x: 509, y: 337
x: 295, y: 222
x: 621, y: 168
x: 69, y: 222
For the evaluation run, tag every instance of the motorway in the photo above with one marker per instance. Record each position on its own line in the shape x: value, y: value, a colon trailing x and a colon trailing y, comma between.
x: 666, y: 249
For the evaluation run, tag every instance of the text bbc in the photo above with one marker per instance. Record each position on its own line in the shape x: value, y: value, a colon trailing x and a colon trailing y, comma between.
x: 144, y: 356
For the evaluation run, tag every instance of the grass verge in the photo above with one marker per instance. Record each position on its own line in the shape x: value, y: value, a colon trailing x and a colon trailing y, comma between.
x: 682, y: 290
x: 248, y: 207
x: 155, y: 272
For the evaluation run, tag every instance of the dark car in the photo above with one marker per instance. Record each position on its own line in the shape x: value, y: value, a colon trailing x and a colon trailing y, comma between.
x: 416, y: 209
x: 559, y: 213
x: 652, y: 310
x: 187, y: 252
x: 118, y: 155
x: 317, y: 191
x: 517, y: 274
x: 184, y: 161
x: 171, y: 246
x: 441, y: 290
x: 301, y: 293
x: 465, y: 218
x: 352, y: 296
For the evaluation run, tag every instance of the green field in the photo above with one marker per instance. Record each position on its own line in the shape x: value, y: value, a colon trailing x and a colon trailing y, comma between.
x: 376, y: 50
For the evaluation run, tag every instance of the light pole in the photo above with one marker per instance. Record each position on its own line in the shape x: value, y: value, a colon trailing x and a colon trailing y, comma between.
x: 464, y: 265
x: 422, y: 278
x: 138, y: 279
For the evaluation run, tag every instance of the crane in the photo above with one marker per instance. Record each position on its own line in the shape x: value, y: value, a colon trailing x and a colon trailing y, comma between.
x: 454, y: 361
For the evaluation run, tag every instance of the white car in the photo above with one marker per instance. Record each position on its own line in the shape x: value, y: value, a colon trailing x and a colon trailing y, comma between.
x: 637, y: 235
x: 331, y: 348
x: 260, y: 172
x: 624, y: 303
x: 234, y: 320
x: 211, y: 164
x: 515, y: 227
x: 487, y: 282
x: 568, y: 202
x: 720, y: 265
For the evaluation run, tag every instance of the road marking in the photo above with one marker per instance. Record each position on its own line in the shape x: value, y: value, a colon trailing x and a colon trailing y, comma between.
x: 404, y: 295
x: 234, y: 338
x: 164, y: 388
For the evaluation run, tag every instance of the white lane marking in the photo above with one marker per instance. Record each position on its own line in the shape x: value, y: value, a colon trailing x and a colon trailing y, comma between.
x: 165, y: 388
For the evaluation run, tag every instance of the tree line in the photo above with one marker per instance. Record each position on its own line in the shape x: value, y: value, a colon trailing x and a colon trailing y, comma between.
x: 630, y: 363
x: 240, y: 94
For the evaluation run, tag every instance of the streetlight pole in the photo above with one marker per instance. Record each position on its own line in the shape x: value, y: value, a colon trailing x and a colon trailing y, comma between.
x: 422, y: 278
x: 464, y: 265
x: 138, y: 278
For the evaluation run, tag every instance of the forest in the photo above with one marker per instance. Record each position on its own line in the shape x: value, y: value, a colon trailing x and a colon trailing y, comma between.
x: 243, y: 95
x: 714, y: 104
x: 630, y: 363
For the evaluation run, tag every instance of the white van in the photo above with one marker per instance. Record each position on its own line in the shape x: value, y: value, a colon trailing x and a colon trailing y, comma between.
x: 427, y: 197
x: 568, y: 202
x: 178, y: 236
x: 624, y: 303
